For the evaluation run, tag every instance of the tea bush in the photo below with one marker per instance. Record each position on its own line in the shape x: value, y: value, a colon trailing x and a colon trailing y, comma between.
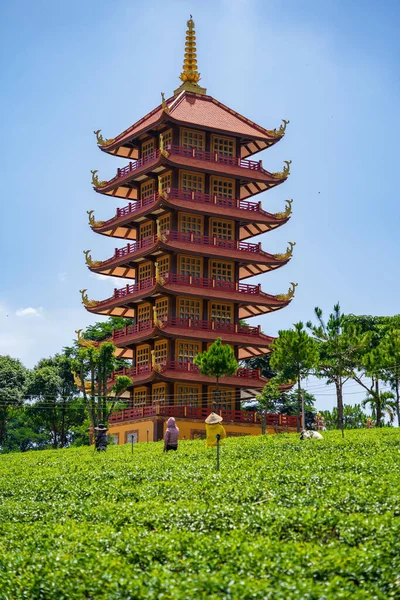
x: 283, y: 519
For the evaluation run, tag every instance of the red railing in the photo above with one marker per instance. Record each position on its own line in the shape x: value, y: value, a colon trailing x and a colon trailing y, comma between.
x: 187, y: 280
x: 234, y: 328
x: 201, y: 413
x: 173, y: 365
x: 215, y: 157
x: 188, y: 238
x: 187, y: 153
x: 205, y: 240
x: 189, y: 196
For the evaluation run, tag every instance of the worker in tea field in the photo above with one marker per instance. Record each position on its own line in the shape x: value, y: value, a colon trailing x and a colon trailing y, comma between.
x: 214, y: 428
x: 101, y: 438
x: 171, y: 435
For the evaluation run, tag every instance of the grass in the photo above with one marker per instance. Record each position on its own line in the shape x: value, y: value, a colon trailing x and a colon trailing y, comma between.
x: 283, y: 519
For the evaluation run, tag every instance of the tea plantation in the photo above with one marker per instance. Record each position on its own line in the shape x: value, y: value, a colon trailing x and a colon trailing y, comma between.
x: 283, y: 519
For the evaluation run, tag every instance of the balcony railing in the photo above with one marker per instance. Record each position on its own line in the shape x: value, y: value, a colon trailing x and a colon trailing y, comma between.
x: 277, y: 421
x: 194, y: 324
x: 193, y: 153
x: 188, y: 196
x: 178, y: 366
x: 186, y: 238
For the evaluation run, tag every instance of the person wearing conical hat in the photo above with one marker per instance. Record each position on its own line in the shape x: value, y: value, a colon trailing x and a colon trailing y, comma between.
x: 101, y: 438
x: 214, y: 428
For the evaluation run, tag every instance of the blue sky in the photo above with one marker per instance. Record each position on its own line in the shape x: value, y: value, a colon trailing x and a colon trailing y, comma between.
x: 68, y: 68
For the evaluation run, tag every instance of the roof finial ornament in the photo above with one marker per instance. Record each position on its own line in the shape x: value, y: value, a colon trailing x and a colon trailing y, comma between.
x: 190, y: 76
x: 164, y: 105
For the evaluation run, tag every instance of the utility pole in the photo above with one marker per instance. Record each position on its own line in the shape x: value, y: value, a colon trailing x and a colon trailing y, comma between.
x: 303, y: 413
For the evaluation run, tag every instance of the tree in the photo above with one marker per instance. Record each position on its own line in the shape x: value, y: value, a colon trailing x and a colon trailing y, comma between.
x: 386, y: 405
x: 295, y: 354
x: 217, y: 361
x: 98, y: 364
x: 337, y: 348
x: 13, y: 379
x: 390, y: 347
x: 371, y: 359
x: 262, y: 362
x: 353, y: 417
x: 266, y: 401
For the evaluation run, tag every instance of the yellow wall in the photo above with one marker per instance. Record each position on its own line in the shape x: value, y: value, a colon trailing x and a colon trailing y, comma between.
x: 141, y: 426
x: 186, y: 429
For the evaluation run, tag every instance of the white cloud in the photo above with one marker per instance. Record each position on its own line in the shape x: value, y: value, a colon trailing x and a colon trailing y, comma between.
x: 118, y: 281
x: 29, y: 312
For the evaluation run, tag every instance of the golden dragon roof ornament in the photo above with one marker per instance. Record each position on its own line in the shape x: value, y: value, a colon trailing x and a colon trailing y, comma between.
x: 287, y: 212
x: 92, y: 220
x: 95, y: 179
x: 281, y: 131
x: 287, y: 254
x: 190, y: 76
x: 82, y: 341
x: 285, y: 172
x: 100, y: 140
x: 164, y: 105
x: 89, y: 261
x: 85, y: 300
x: 290, y: 292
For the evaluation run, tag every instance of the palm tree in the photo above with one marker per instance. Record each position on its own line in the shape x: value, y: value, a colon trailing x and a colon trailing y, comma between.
x: 387, y: 405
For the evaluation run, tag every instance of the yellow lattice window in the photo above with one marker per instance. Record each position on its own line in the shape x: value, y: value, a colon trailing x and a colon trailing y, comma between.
x: 224, y: 188
x: 161, y: 352
x: 222, y: 229
x: 221, y: 312
x: 159, y: 393
x: 145, y: 271
x: 190, y: 138
x: 190, y: 265
x: 147, y: 189
x: 165, y: 180
x: 142, y: 355
x: 191, y: 223
x: 222, y: 271
x: 186, y: 351
x: 164, y: 222
x: 164, y: 264
x: 139, y: 397
x: 162, y: 308
x: 187, y: 395
x: 167, y: 137
x: 144, y: 312
x: 189, y: 308
x: 148, y: 147
x: 224, y: 146
x: 193, y: 182
x: 146, y: 229
x: 224, y: 399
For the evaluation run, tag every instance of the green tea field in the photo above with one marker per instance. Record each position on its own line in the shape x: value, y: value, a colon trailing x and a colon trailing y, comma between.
x: 282, y: 519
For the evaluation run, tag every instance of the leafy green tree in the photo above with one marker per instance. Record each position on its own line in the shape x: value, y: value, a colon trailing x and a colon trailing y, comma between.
x: 295, y: 355
x: 97, y: 364
x: 390, y: 347
x: 338, y: 347
x: 13, y: 380
x: 262, y: 362
x: 265, y: 401
x: 353, y: 417
x: 371, y: 358
x: 23, y: 433
x: 102, y: 330
x: 217, y: 361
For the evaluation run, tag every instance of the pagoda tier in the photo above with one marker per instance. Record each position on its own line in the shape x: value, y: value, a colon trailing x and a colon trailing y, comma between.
x: 251, y: 301
x: 250, y: 258
x: 250, y: 175
x: 194, y: 110
x: 188, y: 184
x: 252, y: 219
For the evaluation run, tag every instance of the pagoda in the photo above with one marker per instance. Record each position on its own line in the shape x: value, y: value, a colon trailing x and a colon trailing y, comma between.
x: 190, y: 185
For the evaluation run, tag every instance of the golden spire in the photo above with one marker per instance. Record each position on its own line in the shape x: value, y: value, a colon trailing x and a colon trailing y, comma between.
x: 190, y: 76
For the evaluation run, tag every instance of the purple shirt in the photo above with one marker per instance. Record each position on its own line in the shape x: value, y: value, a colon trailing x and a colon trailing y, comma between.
x: 171, y: 436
